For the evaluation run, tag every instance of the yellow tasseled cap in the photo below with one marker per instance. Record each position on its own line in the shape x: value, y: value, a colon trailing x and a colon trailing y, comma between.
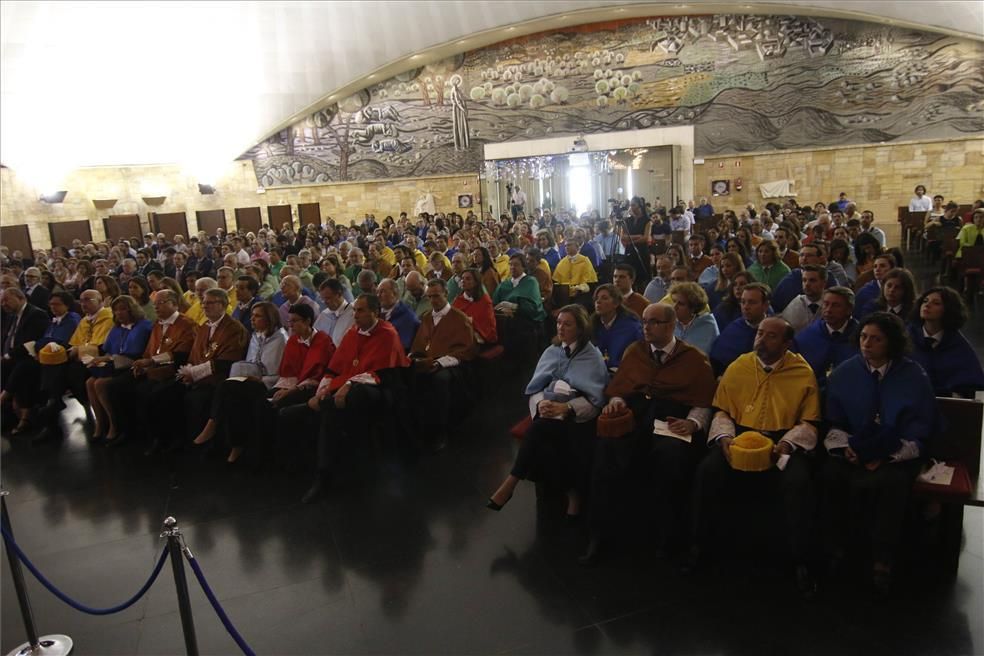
x: 751, y: 452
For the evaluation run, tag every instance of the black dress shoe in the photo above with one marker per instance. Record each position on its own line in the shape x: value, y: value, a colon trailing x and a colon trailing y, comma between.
x: 881, y: 582
x: 806, y: 585
x: 592, y: 556
x: 692, y: 563
x: 492, y: 505
x: 154, y: 448
x: 45, y: 435
x: 315, y: 491
x: 116, y: 441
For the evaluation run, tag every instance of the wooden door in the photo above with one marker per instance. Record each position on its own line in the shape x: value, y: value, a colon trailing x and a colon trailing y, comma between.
x: 17, y: 238
x: 248, y: 219
x: 64, y: 232
x: 309, y: 213
x: 170, y: 223
x: 122, y: 226
x: 279, y: 215
x: 210, y: 220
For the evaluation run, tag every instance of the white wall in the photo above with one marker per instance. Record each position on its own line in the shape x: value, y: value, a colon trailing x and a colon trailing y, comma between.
x: 682, y: 136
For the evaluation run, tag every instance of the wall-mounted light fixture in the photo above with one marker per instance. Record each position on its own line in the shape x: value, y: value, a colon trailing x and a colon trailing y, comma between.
x: 104, y: 203
x: 206, y: 189
x: 153, y: 200
x: 53, y: 197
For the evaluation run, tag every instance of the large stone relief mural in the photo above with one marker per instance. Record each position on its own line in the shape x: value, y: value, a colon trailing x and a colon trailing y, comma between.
x: 748, y: 83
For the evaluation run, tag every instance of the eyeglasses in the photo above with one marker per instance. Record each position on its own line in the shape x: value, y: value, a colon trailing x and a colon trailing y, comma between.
x: 655, y: 322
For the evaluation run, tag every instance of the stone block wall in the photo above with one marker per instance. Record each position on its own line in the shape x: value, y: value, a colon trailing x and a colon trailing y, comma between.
x: 236, y: 188
x: 879, y: 177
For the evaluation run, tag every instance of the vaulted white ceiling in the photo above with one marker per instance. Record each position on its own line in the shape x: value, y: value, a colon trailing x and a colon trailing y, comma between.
x: 197, y: 83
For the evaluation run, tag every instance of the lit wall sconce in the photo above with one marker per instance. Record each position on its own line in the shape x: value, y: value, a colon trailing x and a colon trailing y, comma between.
x: 104, y: 203
x: 53, y: 197
x: 154, y: 200
x: 205, y: 189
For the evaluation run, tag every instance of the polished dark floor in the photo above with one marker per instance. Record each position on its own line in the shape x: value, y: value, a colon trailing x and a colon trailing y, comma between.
x: 403, y: 558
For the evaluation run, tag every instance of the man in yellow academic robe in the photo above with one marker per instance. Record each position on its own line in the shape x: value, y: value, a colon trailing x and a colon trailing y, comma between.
x: 771, y: 391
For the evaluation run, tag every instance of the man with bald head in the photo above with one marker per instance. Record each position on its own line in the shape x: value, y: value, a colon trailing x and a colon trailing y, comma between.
x: 661, y: 381
x: 414, y: 295
x: 396, y: 312
x: 771, y: 391
x: 290, y: 286
x: 458, y: 265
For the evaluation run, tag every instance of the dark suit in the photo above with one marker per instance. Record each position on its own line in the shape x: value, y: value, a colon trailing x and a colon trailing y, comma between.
x: 39, y: 297
x: 20, y: 372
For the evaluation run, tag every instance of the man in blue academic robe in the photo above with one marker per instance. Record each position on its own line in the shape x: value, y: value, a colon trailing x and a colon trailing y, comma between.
x: 738, y: 337
x: 831, y: 339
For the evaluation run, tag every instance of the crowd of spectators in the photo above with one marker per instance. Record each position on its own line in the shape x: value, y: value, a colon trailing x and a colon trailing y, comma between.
x: 687, y: 328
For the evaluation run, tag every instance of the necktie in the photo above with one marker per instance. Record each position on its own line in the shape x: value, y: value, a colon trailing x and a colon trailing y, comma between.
x: 930, y: 342
x: 767, y: 370
x: 13, y: 333
x: 567, y: 351
x: 814, y: 307
x: 834, y: 336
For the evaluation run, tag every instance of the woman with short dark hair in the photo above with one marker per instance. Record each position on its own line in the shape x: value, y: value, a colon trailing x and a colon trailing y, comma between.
x: 566, y: 394
x: 881, y: 410
x: 938, y: 345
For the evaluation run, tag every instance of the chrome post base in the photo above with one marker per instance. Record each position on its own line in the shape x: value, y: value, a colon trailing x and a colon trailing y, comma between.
x: 49, y: 645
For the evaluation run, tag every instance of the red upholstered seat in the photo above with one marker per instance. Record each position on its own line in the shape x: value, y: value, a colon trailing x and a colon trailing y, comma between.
x: 519, y: 430
x: 492, y: 353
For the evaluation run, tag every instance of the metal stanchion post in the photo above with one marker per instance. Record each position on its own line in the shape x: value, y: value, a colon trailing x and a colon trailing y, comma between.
x: 173, y: 535
x: 47, y: 645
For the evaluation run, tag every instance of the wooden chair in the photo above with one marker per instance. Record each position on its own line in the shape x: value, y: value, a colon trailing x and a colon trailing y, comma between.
x: 679, y: 237
x: 970, y: 269
x: 959, y: 445
x: 913, y: 226
x: 948, y: 249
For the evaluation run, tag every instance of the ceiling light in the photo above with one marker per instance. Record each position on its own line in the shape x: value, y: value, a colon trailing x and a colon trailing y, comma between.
x: 53, y: 197
x: 510, y: 29
x: 371, y: 76
x: 414, y: 56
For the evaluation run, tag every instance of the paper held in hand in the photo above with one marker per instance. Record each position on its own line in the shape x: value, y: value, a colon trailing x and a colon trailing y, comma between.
x: 938, y: 474
x: 662, y: 428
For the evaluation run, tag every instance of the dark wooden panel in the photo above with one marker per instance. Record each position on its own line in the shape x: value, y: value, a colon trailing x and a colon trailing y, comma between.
x: 17, y: 238
x: 123, y: 226
x: 248, y: 219
x: 64, y: 232
x: 308, y: 213
x: 279, y: 215
x: 210, y: 221
x: 171, y: 223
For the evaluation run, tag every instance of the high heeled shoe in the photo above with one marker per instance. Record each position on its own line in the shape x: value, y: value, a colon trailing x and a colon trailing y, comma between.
x: 492, y: 505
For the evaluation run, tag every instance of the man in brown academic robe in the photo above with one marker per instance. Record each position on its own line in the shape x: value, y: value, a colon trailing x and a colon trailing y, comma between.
x: 660, y: 379
x: 140, y: 388
x: 444, y: 343
x: 219, y: 343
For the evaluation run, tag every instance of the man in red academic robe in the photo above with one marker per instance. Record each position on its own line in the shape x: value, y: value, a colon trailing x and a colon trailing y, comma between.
x: 351, y: 388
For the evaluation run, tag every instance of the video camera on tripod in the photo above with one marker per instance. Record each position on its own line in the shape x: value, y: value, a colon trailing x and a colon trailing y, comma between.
x: 618, y: 208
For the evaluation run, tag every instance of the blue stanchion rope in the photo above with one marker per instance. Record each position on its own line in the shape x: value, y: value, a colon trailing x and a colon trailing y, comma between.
x: 9, y: 540
x: 226, y: 622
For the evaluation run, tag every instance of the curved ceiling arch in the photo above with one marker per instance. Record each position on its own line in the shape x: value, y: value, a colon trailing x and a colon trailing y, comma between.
x: 198, y: 83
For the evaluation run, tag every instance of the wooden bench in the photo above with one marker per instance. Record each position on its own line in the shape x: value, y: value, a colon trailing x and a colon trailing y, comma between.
x: 913, y: 224
x: 958, y: 444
